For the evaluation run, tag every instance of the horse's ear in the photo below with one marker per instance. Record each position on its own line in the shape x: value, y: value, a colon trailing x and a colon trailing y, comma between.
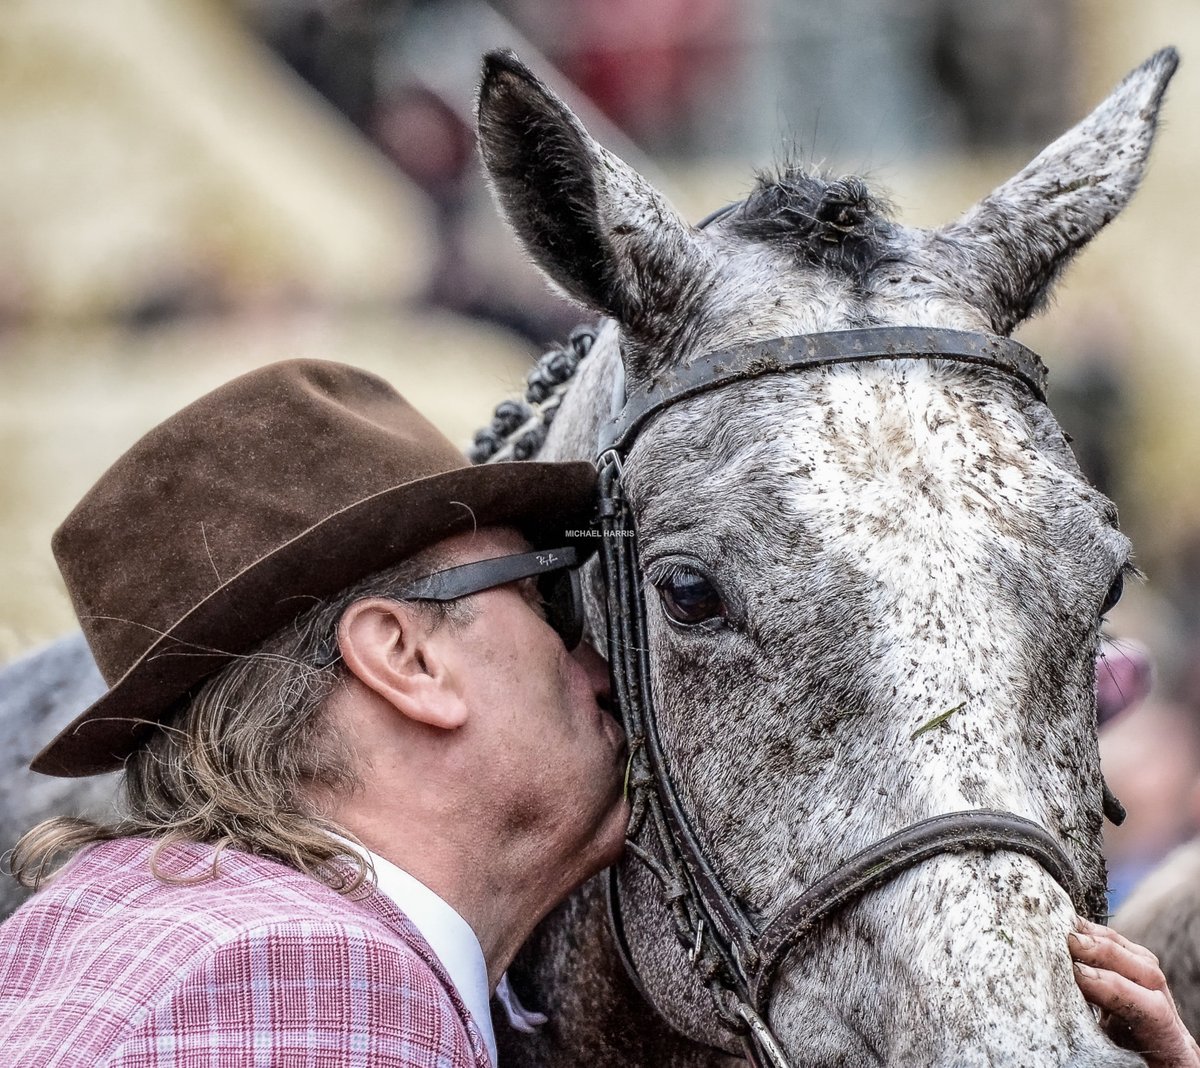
x: 1006, y: 251
x: 596, y: 227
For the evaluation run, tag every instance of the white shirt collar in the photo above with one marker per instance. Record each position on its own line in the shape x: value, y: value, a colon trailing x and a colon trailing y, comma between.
x: 449, y: 936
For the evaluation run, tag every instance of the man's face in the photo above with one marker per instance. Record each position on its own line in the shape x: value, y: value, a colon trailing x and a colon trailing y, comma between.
x: 539, y: 744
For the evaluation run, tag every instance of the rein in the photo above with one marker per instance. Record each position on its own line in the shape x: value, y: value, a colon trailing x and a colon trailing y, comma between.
x: 736, y: 957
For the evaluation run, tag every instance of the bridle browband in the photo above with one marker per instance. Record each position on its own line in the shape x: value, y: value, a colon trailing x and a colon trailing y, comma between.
x: 736, y: 957
x: 806, y: 351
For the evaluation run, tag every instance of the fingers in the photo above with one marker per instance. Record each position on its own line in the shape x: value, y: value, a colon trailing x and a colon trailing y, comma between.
x: 1139, y: 1019
x: 1098, y: 930
x: 1125, y: 982
x: 1112, y: 952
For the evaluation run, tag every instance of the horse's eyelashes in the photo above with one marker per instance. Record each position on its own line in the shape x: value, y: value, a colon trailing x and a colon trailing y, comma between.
x: 689, y: 598
x: 1114, y: 593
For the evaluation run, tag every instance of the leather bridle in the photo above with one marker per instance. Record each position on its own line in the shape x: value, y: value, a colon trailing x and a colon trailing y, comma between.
x: 736, y: 957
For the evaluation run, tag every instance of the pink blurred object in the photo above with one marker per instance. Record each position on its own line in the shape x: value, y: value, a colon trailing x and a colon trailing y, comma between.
x: 1124, y: 674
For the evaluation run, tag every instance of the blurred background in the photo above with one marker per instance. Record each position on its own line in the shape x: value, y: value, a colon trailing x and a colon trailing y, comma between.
x: 195, y: 188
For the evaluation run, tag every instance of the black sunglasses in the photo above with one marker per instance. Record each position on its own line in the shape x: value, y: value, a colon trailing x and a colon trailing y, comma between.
x: 557, y: 582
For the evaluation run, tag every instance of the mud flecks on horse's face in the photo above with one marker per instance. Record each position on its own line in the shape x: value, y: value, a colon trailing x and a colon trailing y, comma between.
x: 858, y: 591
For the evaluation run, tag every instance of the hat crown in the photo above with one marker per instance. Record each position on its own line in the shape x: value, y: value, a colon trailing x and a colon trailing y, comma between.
x: 224, y: 483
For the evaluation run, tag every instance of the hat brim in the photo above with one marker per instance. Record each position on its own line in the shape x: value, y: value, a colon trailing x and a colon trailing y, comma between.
x: 550, y: 503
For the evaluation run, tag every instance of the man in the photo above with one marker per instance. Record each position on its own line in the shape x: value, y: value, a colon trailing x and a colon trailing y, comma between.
x: 361, y: 761
x: 333, y: 659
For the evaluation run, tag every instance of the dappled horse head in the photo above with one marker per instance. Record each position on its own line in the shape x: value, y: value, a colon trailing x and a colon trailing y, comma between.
x: 874, y: 589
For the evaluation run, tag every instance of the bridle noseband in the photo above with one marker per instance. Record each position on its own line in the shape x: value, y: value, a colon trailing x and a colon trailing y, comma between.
x: 737, y: 958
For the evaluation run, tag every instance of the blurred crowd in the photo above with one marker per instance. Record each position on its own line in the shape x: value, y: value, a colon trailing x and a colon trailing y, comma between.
x: 672, y: 79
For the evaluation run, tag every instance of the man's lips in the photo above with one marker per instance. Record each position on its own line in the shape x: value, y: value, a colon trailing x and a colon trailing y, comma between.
x: 610, y: 720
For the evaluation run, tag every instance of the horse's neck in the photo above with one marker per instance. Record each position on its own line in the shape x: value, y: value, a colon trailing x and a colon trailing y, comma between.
x: 570, y: 970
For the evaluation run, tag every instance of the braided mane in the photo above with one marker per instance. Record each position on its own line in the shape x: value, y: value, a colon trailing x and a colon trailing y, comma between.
x: 518, y: 427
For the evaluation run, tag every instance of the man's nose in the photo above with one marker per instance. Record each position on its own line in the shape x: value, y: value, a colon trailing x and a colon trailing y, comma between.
x: 597, y: 672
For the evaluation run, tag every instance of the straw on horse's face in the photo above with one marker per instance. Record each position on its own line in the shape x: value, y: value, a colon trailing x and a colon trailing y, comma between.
x: 879, y: 586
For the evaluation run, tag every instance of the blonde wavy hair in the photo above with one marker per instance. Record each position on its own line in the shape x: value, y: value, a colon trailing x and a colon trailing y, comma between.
x: 242, y: 763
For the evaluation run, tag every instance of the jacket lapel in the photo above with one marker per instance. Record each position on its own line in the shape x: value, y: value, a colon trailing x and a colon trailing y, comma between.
x: 369, y: 896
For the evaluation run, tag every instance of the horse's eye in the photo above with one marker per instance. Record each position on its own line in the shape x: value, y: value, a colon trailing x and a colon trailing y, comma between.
x: 1114, y: 593
x: 689, y: 597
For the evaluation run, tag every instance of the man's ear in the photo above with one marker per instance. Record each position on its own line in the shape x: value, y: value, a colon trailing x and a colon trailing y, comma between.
x: 388, y: 646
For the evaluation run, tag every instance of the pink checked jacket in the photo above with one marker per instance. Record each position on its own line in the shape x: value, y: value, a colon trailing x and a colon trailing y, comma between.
x: 108, y: 967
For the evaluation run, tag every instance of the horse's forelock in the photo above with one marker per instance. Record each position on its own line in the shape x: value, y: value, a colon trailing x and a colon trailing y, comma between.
x: 837, y: 223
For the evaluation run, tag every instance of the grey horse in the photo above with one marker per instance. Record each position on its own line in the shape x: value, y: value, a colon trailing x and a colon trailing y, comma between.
x: 39, y: 695
x: 875, y: 594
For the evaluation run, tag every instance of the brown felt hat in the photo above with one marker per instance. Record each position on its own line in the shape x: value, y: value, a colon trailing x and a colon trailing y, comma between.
x: 225, y: 522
